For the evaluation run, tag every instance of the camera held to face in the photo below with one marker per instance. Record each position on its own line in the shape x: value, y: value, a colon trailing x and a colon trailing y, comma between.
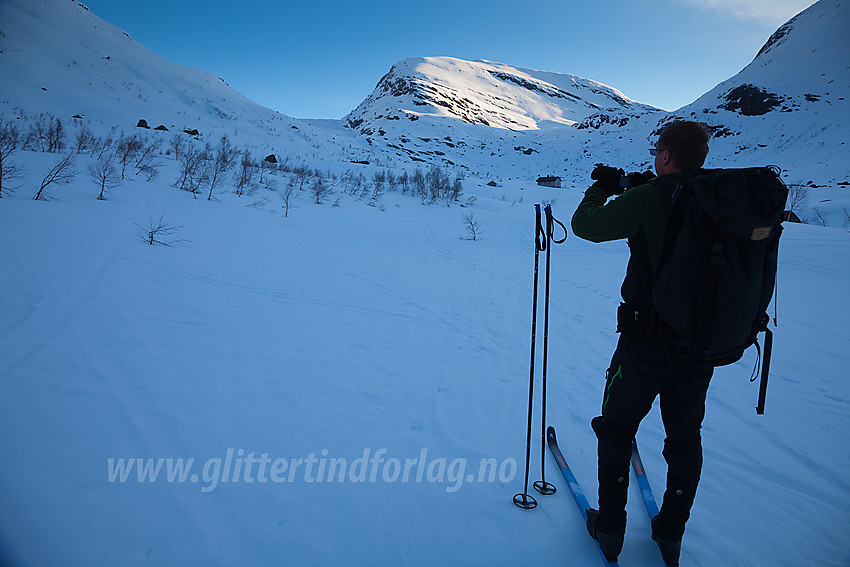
x: 615, y: 180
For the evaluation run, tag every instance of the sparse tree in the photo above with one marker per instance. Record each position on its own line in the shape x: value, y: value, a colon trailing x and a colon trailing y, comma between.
x: 438, y: 183
x: 244, y: 173
x: 102, y: 146
x: 356, y: 184
x: 473, y: 227
x: 10, y: 137
x: 146, y: 162
x: 288, y: 195
x: 378, y: 181
x: 128, y: 148
x: 104, y: 173
x: 225, y: 155
x: 798, y: 196
x: 266, y: 165
x: 36, y: 138
x: 392, y: 180
x: 301, y: 174
x: 178, y: 144
x: 55, y: 134
x: 846, y: 217
x: 63, y: 172
x: 820, y: 217
x: 193, y: 171
x: 319, y: 189
x: 418, y: 183
x: 454, y: 191
x: 84, y: 139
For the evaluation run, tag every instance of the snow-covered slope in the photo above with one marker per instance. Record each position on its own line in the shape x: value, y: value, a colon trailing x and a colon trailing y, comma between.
x: 488, y: 118
x: 311, y: 340
x: 792, y: 103
x: 57, y: 56
x: 483, y: 92
x: 789, y: 107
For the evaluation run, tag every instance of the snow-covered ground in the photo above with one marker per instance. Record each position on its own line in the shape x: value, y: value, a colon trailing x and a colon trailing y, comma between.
x: 343, y: 342
x: 347, y: 385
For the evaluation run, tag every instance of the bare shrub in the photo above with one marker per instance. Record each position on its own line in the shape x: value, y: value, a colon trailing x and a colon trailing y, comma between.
x: 10, y: 138
x: 288, y: 195
x: 104, y: 173
x: 472, y: 225
x: 798, y: 196
x: 245, y: 173
x: 193, y: 170
x: 320, y: 189
x: 63, y: 172
x: 159, y: 232
x: 224, y: 158
x: 147, y: 162
x: 819, y: 217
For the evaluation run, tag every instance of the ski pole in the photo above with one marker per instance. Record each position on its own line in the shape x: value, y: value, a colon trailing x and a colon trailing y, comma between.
x: 524, y: 499
x: 765, y: 370
x: 542, y: 486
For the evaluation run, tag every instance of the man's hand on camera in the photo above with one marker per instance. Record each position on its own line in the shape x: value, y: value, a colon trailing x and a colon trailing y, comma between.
x: 642, y: 178
x: 607, y: 178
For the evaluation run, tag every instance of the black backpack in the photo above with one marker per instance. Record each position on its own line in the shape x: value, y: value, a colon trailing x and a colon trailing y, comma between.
x: 716, y: 267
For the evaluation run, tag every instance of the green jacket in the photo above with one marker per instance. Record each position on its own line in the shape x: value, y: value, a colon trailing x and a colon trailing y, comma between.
x: 638, y: 215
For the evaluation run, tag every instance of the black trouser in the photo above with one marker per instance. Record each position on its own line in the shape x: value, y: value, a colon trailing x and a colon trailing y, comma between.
x: 638, y: 374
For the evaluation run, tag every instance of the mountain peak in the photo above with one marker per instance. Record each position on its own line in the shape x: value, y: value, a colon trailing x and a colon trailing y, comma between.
x: 487, y: 93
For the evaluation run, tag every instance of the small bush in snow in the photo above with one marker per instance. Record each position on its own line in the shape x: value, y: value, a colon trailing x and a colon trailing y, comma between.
x: 105, y: 174
x: 159, y: 233
x: 472, y: 226
x: 63, y: 172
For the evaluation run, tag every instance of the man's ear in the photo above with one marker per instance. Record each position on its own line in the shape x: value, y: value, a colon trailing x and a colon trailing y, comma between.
x: 666, y: 164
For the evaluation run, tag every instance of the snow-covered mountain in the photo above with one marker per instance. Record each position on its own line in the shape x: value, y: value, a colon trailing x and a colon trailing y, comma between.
x: 788, y: 107
x: 791, y: 104
x: 483, y: 92
x: 57, y: 56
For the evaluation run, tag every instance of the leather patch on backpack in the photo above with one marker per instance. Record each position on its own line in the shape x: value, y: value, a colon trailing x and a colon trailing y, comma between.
x: 761, y: 233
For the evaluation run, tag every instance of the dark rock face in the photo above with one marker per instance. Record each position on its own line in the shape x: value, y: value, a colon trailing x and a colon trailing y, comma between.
x: 750, y: 100
x: 776, y: 37
x: 550, y: 91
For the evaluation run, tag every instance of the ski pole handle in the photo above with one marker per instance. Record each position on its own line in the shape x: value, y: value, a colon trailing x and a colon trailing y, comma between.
x: 539, y: 233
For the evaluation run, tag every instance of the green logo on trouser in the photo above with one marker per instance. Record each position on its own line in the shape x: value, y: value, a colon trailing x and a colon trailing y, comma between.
x: 611, y: 379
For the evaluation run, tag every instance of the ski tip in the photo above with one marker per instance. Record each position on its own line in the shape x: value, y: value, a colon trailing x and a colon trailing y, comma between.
x: 550, y: 432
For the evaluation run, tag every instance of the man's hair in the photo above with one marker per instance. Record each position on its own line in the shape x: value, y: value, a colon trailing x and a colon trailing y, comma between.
x: 687, y: 143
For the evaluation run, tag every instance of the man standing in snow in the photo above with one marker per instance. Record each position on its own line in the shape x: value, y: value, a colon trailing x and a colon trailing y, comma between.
x: 645, y: 363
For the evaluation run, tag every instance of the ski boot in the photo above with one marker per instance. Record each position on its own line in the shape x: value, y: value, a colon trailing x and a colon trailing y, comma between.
x: 670, y: 550
x: 610, y: 543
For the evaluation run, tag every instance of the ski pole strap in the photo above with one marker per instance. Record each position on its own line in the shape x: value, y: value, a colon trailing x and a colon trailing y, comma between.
x: 550, y: 226
x: 765, y: 369
x: 539, y: 234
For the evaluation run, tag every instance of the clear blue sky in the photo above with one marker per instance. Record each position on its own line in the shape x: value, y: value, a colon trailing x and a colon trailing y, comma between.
x: 320, y: 58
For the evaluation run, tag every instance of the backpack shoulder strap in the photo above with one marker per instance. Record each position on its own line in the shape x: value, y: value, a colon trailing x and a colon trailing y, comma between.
x: 665, y: 189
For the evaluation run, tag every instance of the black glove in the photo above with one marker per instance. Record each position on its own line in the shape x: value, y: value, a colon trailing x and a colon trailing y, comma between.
x: 608, y: 179
x: 642, y: 178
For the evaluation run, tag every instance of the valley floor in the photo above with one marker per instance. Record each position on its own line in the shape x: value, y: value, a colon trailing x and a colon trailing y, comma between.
x: 350, y: 384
